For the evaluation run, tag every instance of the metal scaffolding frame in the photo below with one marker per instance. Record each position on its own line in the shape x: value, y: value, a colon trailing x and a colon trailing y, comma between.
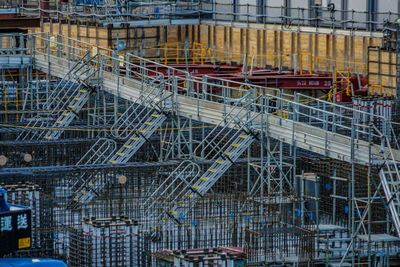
x: 150, y: 13
x: 259, y: 137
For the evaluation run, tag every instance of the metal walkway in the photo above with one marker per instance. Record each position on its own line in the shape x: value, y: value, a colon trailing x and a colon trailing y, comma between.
x: 312, y: 124
x: 316, y: 133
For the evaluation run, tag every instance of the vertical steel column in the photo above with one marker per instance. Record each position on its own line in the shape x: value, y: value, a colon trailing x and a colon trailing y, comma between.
x: 369, y: 194
x: 352, y: 194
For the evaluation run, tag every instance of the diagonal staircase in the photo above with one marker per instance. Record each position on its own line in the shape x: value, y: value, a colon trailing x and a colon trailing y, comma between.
x: 66, y: 100
x: 223, y: 146
x: 36, y: 122
x: 187, y: 198
x: 390, y: 179
x: 144, y: 121
x: 100, y: 152
x: 75, y: 96
x: 138, y: 137
x: 168, y: 191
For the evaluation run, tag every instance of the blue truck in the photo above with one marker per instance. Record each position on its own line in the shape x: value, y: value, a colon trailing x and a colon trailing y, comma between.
x: 15, y: 234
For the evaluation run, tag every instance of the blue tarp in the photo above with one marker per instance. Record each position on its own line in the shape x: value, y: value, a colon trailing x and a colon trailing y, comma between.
x: 24, y: 262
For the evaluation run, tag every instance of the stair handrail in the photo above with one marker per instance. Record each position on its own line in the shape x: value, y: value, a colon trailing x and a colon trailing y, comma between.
x: 211, y: 142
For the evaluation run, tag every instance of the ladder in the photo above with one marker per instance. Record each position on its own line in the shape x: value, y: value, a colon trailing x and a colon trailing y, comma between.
x: 36, y: 122
x: 180, y: 179
x: 66, y: 100
x: 75, y: 97
x: 187, y: 198
x: 79, y: 73
x: 145, y: 121
x: 75, y: 103
x: 390, y: 179
x: 139, y: 137
x: 99, y: 153
x: 93, y: 184
x: 224, y: 145
x: 152, y: 96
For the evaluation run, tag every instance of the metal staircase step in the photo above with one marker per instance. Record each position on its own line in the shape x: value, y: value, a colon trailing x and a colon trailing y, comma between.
x: 394, y: 182
x: 209, y: 178
x: 148, y: 120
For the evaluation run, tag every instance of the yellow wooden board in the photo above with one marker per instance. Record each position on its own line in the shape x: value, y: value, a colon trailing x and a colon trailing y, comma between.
x: 24, y: 242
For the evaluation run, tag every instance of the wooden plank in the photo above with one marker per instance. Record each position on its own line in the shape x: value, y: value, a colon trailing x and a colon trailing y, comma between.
x: 393, y: 71
x: 252, y: 48
x: 236, y: 45
x: 203, y: 34
x: 304, y: 43
x: 358, y: 55
x: 225, y: 44
x: 220, y: 43
x: 46, y: 27
x: 305, y: 50
x: 287, y: 49
x: 340, y: 52
x: 321, y: 58
x: 74, y: 31
x: 270, y: 48
x: 259, y: 55
x: 172, y: 34
x: 92, y: 35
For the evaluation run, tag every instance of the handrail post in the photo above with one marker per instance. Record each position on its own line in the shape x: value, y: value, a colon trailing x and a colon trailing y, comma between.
x: 296, y: 107
x: 204, y: 92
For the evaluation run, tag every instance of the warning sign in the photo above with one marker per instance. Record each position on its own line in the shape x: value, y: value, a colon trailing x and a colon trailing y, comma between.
x: 24, y: 242
x: 15, y: 228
